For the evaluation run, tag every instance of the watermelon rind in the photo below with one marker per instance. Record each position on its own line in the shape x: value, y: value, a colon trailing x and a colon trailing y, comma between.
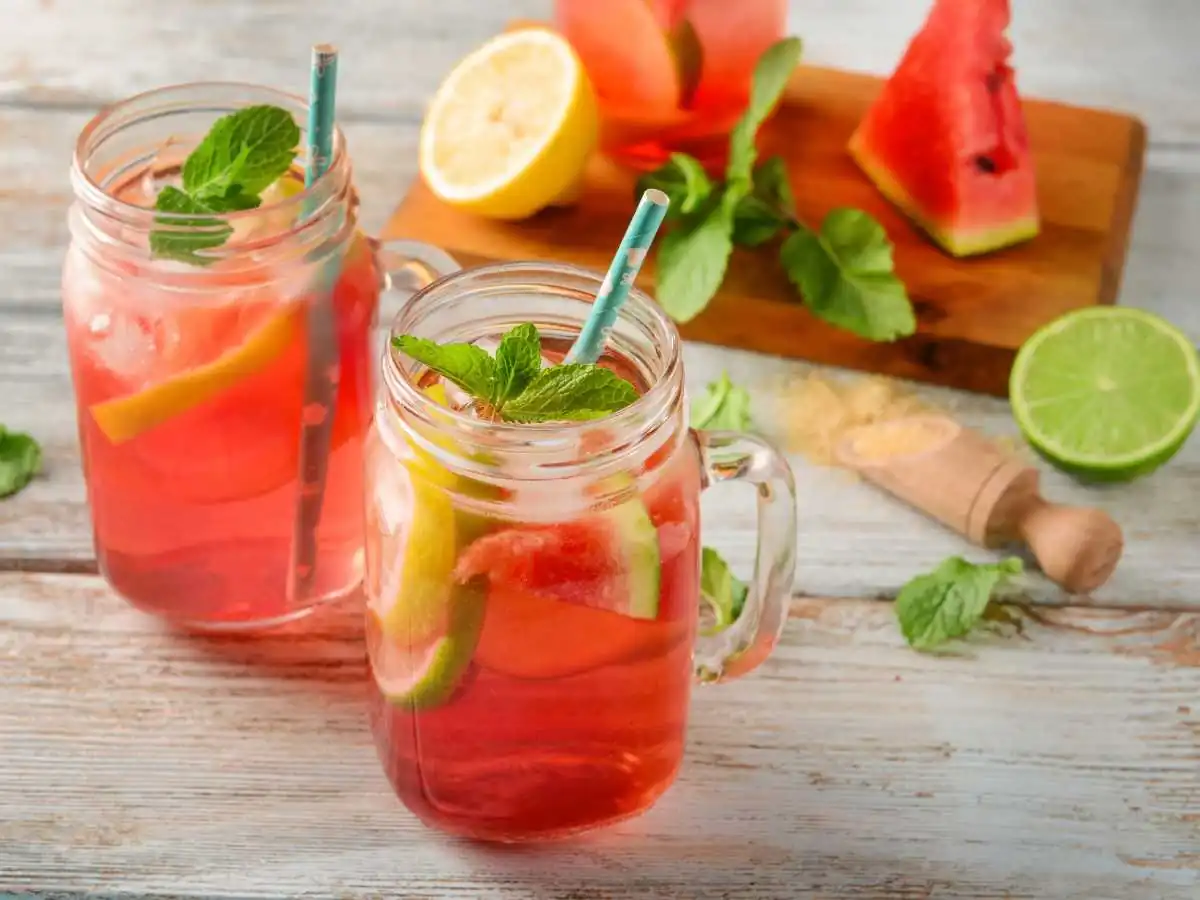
x: 638, y: 543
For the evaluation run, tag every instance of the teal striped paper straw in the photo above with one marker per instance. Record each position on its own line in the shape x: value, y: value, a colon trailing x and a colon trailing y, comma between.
x: 619, y: 279
x: 320, y: 389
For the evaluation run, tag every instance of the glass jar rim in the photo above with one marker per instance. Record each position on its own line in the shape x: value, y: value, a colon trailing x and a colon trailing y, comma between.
x: 645, y: 414
x: 93, y: 195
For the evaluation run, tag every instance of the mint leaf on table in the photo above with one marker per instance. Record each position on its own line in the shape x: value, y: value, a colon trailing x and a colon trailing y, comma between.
x: 771, y: 75
x: 242, y: 154
x: 949, y: 601
x: 692, y: 259
x: 515, y: 386
x: 20, y: 460
x: 467, y: 365
x: 724, y: 407
x: 768, y: 209
x: 846, y: 277
x: 723, y: 592
x: 570, y: 392
x: 683, y: 180
x: 518, y: 362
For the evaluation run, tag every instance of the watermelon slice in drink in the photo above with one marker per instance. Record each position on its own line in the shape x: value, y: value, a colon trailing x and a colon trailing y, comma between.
x: 570, y: 597
x: 945, y: 140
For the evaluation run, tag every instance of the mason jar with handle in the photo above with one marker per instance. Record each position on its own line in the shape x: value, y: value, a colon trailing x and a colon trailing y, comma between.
x: 533, y: 591
x: 192, y: 371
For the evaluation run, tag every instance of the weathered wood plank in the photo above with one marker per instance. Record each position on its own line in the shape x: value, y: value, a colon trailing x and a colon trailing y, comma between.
x: 1063, y: 763
x: 77, y: 53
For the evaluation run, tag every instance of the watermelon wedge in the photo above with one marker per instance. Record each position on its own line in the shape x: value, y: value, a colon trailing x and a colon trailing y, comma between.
x: 945, y: 140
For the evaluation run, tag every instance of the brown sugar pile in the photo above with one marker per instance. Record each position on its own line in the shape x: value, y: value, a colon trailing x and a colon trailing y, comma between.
x: 819, y: 411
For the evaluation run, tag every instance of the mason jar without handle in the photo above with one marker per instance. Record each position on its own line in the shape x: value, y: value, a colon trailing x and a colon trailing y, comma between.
x: 193, y: 381
x: 533, y: 591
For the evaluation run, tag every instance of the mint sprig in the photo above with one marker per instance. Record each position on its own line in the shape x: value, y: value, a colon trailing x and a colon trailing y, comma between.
x: 242, y: 155
x: 950, y: 601
x: 843, y: 270
x: 515, y: 387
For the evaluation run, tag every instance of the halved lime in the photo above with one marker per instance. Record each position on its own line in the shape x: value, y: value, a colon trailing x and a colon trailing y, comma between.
x: 1106, y: 393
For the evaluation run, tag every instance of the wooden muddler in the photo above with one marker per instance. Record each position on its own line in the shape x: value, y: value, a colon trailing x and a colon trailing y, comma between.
x: 965, y: 481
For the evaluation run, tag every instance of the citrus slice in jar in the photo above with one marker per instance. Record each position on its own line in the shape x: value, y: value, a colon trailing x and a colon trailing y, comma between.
x: 512, y: 127
x: 124, y: 418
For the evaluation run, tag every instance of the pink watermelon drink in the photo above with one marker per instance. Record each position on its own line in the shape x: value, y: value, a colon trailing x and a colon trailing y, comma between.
x: 533, y: 587
x: 189, y: 380
x: 671, y: 75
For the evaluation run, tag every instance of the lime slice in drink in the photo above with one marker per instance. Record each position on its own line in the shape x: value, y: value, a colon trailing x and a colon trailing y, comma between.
x: 421, y: 672
x: 1106, y: 393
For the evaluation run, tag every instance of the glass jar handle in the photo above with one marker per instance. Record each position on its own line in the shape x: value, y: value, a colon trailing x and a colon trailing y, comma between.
x: 410, y: 266
x: 740, y: 648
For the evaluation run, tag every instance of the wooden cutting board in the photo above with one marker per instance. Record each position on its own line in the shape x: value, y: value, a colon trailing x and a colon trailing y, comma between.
x: 972, y: 314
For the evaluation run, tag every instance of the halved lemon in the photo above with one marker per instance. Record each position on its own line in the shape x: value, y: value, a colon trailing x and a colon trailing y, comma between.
x: 124, y: 418
x: 511, y: 129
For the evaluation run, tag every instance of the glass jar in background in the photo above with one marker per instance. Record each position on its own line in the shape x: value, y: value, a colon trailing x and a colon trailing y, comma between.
x: 190, y: 379
x: 533, y: 590
x: 670, y: 75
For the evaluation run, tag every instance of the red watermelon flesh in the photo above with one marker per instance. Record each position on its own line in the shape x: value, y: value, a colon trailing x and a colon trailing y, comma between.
x: 945, y: 140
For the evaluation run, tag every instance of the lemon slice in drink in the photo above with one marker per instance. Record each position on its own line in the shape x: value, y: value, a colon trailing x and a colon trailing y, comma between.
x: 124, y: 418
x: 511, y: 129
x: 1107, y: 393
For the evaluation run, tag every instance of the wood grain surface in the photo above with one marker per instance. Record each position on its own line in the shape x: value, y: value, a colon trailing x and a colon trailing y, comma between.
x: 972, y: 314
x: 1059, y: 762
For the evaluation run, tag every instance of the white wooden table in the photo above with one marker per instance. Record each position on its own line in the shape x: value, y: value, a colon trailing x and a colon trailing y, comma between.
x: 1059, y: 762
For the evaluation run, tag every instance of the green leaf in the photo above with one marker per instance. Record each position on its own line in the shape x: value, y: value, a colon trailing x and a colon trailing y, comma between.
x: 723, y: 407
x: 683, y: 180
x: 466, y: 365
x: 770, y: 207
x: 722, y: 591
x: 200, y: 229
x: 250, y: 148
x: 20, y: 460
x: 692, y: 260
x: 771, y: 75
x: 846, y: 277
x: 571, y: 392
x: 949, y: 601
x: 518, y: 361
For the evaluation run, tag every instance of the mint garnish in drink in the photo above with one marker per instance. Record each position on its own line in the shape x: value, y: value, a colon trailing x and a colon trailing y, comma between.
x: 513, y: 385
x: 241, y: 156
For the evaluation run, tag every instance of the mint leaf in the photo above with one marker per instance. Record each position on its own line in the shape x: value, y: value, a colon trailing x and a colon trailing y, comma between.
x: 771, y: 75
x: 846, y: 277
x: 683, y: 180
x: 949, y: 601
x: 200, y: 229
x: 242, y: 154
x: 20, y: 460
x: 249, y: 148
x: 768, y: 209
x: 571, y: 392
x: 692, y: 260
x: 723, y: 592
x: 466, y: 365
x: 723, y: 407
x: 518, y: 361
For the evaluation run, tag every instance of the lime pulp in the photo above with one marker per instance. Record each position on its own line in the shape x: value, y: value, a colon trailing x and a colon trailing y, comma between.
x: 1106, y: 393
